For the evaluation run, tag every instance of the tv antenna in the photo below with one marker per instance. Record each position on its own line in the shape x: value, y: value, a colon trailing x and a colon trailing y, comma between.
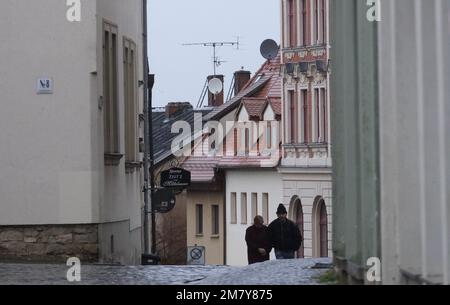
x: 216, y: 61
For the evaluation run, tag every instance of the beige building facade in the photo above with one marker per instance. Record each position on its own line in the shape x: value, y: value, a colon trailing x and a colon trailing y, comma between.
x: 70, y: 173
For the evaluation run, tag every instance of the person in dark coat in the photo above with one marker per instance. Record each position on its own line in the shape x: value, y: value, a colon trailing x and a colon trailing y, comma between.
x: 285, y: 235
x: 258, y: 242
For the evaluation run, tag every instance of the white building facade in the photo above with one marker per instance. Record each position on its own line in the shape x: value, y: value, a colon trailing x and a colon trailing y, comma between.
x: 70, y: 175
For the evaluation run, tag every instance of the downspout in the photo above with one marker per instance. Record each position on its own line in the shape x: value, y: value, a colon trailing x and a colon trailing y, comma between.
x: 146, y: 129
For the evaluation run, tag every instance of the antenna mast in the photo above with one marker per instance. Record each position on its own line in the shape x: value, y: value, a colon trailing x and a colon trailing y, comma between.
x: 215, y: 45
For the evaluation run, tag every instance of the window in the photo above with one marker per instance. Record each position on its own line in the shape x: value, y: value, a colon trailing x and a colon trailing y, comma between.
x: 265, y: 207
x: 212, y: 139
x: 316, y: 19
x: 293, y: 116
x: 247, y: 141
x: 110, y: 96
x: 323, y: 21
x: 317, y: 116
x: 130, y: 86
x: 292, y: 26
x: 233, y: 208
x: 254, y: 205
x: 304, y: 115
x: 215, y: 220
x: 323, y: 116
x: 244, y: 218
x: 320, y: 115
x: 304, y: 22
x: 236, y: 143
x: 269, y: 135
x: 199, y: 219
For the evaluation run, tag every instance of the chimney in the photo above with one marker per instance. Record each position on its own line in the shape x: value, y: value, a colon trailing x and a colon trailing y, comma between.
x: 241, y: 78
x: 173, y: 109
x: 218, y: 99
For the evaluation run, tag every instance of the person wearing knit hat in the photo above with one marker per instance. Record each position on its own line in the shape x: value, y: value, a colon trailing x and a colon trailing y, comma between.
x: 281, y: 210
x: 285, y: 235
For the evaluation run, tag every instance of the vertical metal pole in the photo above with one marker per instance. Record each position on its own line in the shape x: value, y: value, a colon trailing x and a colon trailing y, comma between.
x: 146, y: 129
x: 151, y: 78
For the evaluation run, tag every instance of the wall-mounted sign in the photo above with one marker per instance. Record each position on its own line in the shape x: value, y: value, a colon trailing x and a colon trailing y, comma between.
x: 164, y: 201
x: 196, y: 256
x: 176, y: 178
x: 44, y: 86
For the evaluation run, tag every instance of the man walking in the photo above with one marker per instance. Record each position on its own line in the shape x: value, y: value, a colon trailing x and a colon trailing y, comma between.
x: 258, y: 242
x: 285, y: 235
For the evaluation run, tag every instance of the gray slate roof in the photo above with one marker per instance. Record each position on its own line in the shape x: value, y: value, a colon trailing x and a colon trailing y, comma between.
x: 162, y: 135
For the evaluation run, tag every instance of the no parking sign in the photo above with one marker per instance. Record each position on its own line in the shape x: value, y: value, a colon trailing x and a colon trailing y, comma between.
x: 196, y: 256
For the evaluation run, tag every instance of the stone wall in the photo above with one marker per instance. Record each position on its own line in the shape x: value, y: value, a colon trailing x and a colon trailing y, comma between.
x: 51, y: 243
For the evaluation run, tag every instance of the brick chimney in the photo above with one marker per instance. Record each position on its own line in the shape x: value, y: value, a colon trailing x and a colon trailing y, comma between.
x: 218, y: 99
x: 176, y: 108
x: 241, y: 79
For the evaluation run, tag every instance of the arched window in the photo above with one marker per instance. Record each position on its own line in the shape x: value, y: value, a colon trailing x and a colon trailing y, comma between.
x: 323, y: 227
x: 320, y: 228
x: 299, y: 220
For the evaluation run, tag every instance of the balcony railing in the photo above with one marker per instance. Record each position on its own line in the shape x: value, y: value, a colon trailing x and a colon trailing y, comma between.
x: 307, y: 155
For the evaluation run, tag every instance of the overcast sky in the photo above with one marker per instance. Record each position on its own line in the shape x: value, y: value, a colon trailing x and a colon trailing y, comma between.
x: 181, y: 71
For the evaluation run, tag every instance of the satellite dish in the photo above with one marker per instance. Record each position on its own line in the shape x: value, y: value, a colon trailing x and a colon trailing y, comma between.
x: 269, y: 49
x: 215, y: 86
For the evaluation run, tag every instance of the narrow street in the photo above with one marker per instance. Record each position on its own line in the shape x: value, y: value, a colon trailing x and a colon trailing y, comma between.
x: 288, y: 272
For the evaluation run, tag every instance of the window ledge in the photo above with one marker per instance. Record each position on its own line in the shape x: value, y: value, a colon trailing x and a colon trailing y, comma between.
x: 113, y: 159
x: 305, y: 146
x: 215, y: 236
x: 199, y: 235
x: 132, y: 166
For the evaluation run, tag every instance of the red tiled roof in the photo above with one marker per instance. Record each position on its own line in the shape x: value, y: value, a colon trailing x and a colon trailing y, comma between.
x: 202, y: 168
x: 276, y: 105
x: 266, y: 83
x: 247, y: 162
x: 254, y: 106
x: 264, y: 88
x: 272, y: 88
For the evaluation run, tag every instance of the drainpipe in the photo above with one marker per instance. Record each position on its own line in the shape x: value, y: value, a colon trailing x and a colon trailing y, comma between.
x: 146, y: 131
x: 148, y: 258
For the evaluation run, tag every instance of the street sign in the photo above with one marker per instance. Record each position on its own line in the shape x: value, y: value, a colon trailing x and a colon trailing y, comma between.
x: 196, y: 256
x: 164, y: 201
x: 44, y: 86
x: 176, y: 178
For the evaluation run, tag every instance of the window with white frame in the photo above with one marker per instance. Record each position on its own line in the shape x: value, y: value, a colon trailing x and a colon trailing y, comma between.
x: 319, y: 23
x: 320, y: 115
x: 199, y: 219
x: 303, y: 22
x: 244, y: 209
x: 215, y: 218
x: 130, y: 86
x: 292, y: 23
x: 324, y: 115
x: 254, y: 205
x: 265, y: 207
x: 110, y: 95
x: 304, y: 115
x: 233, y: 208
x: 293, y: 120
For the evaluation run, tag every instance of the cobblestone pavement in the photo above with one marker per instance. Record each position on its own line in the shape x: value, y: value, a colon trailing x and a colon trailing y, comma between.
x: 284, y: 272
x: 277, y: 272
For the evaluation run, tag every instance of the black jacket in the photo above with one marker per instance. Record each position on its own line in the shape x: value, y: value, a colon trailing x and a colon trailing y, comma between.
x: 285, y: 235
x: 257, y: 238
